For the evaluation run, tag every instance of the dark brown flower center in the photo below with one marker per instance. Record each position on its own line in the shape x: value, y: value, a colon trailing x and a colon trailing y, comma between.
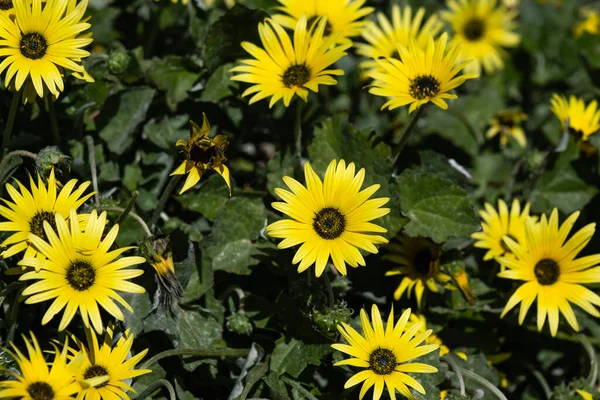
x: 36, y: 225
x: 204, y: 156
x: 576, y: 133
x: 40, y: 391
x: 329, y: 223
x: 474, y: 29
x: 81, y: 275
x: 33, y: 45
x: 382, y: 362
x: 504, y: 246
x: 547, y: 271
x: 296, y: 75
x: 506, y: 121
x: 424, y: 86
x: 94, y: 371
x: 422, y: 262
x: 312, y: 21
x: 6, y: 5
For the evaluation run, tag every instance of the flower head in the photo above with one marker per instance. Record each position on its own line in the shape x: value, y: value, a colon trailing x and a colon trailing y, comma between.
x: 499, y: 225
x: 386, y: 354
x: 38, y: 380
x: 420, y: 75
x: 419, y: 264
x: 81, y: 271
x: 383, y: 39
x: 482, y: 28
x: 433, y: 338
x: 547, y: 263
x: 345, y: 18
x: 591, y: 24
x: 41, y: 42
x: 282, y: 69
x: 7, y: 8
x: 507, y: 123
x: 158, y: 253
x: 330, y: 218
x: 583, y: 121
x: 202, y: 154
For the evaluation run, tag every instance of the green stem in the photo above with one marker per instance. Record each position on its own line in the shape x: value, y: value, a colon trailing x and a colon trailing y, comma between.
x: 298, y: 139
x: 129, y: 207
x: 19, y: 153
x: 163, y: 200
x: 150, y: 389
x: 484, y: 382
x: 406, y: 134
x: 131, y: 214
x: 207, y: 353
x: 54, y: 124
x: 456, y: 369
x: 327, y: 282
x: 593, y: 359
x: 300, y: 388
x: 10, y: 121
x: 92, y: 159
x: 543, y: 383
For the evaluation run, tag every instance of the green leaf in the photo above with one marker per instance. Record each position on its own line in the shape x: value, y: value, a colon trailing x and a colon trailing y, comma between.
x: 293, y: 357
x: 121, y: 116
x: 132, y: 176
x: 198, y: 332
x: 174, y: 75
x: 254, y: 375
x: 166, y: 132
x: 218, y: 85
x: 436, y: 207
x: 209, y: 199
x: 281, y: 165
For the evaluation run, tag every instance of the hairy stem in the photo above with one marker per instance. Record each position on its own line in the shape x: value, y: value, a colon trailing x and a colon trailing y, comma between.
x: 406, y: 134
x: 92, y: 159
x: 163, y: 200
x: 209, y: 353
x: 327, y: 282
x: 593, y: 375
x: 150, y: 389
x: 298, y: 139
x: 131, y: 214
x: 461, y: 382
x: 129, y: 207
x: 10, y: 120
x: 483, y: 382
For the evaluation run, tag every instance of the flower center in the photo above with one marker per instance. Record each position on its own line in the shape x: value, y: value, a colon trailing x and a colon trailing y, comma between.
x: 474, y: 29
x: 577, y: 134
x: 424, y: 86
x: 546, y: 271
x: 36, y: 225
x: 312, y: 22
x: 33, y: 45
x: 40, y: 391
x: 329, y: 223
x: 81, y: 275
x: 506, y: 121
x: 204, y: 156
x: 504, y: 246
x: 422, y: 261
x: 95, y: 371
x: 382, y: 362
x: 6, y: 5
x: 296, y: 75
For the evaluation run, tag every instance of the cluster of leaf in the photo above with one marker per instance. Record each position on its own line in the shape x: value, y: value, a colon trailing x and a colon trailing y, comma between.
x: 158, y: 65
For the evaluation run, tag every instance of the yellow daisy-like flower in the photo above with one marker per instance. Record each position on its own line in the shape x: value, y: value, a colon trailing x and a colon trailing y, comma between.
x: 499, y: 225
x: 420, y: 76
x: 345, y: 18
x: 81, y: 271
x: 7, y: 8
x: 419, y: 260
x: 35, y: 381
x: 105, y: 369
x: 282, y: 69
x: 383, y: 39
x: 386, y: 354
x: 583, y: 121
x: 584, y: 395
x: 547, y: 262
x: 591, y: 24
x: 41, y: 42
x: 481, y: 30
x: 202, y: 154
x: 507, y: 123
x: 28, y: 209
x: 330, y: 218
x: 433, y: 338
x: 158, y: 253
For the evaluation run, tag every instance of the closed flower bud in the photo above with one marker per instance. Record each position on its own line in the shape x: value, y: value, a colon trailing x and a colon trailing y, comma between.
x: 239, y: 323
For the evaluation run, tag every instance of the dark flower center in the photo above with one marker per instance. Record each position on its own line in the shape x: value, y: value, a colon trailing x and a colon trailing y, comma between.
x: 382, y: 362
x: 296, y: 75
x: 81, y: 275
x: 577, y: 134
x: 95, y: 371
x: 329, y: 223
x: 204, y: 156
x: 547, y: 271
x: 504, y: 246
x: 422, y: 262
x: 33, y: 45
x: 40, y: 391
x: 36, y: 225
x: 312, y: 21
x: 424, y: 86
x: 474, y: 29
x: 506, y: 121
x: 6, y: 5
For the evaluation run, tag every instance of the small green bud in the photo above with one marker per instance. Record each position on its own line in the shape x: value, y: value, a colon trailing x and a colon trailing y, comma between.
x: 535, y: 159
x: 239, y: 323
x: 51, y: 157
x: 118, y: 62
x: 327, y: 320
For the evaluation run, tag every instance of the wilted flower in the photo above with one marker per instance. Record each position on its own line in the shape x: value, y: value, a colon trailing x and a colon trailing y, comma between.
x: 158, y: 253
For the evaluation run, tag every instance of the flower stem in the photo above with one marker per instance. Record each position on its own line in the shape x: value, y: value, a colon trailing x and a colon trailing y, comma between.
x: 593, y: 375
x: 10, y: 121
x: 133, y: 215
x: 129, y: 207
x: 163, y: 200
x: 208, y: 353
x: 92, y: 159
x: 543, y: 383
x: 456, y: 369
x: 298, y: 139
x: 161, y: 382
x: 484, y: 382
x: 16, y: 153
x: 54, y: 123
x: 406, y: 134
x: 327, y: 282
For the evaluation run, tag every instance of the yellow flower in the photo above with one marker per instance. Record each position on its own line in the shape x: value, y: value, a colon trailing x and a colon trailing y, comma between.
x: 282, y: 69
x: 386, y: 355
x: 547, y: 262
x: 330, y: 218
x: 420, y: 76
x: 481, y: 30
x: 228, y: 3
x: 35, y: 380
x: 499, y: 225
x: 41, y: 42
x: 105, y: 369
x: 345, y: 18
x: 583, y: 121
x: 158, y: 253
x: 28, y: 210
x: 384, y: 39
x: 81, y: 271
x: 419, y: 264
x: 7, y: 8
x: 591, y: 24
x: 432, y: 338
x: 585, y: 395
x: 507, y: 123
x: 202, y: 154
